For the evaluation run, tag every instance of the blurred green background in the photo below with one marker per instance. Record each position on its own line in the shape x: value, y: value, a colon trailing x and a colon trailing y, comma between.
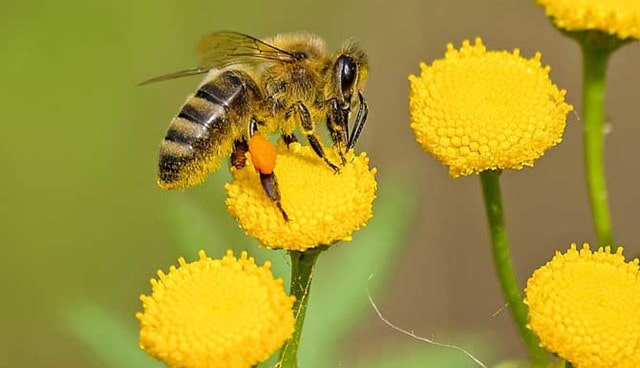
x: 84, y: 226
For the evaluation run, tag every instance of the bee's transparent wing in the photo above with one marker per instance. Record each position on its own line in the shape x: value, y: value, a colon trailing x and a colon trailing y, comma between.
x: 220, y: 49
x: 174, y: 75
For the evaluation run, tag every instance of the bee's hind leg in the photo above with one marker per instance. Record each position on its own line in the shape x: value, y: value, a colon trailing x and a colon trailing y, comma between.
x: 270, y: 186
x: 307, y: 129
x: 262, y: 148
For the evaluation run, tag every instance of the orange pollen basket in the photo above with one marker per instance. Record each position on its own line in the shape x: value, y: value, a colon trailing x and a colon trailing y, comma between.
x: 263, y: 154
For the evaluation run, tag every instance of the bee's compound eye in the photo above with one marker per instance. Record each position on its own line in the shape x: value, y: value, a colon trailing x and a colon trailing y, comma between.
x: 348, y: 73
x: 263, y: 154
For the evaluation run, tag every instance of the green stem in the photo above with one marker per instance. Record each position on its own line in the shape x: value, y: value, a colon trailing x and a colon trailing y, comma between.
x: 595, y: 61
x: 502, y: 258
x: 302, y: 264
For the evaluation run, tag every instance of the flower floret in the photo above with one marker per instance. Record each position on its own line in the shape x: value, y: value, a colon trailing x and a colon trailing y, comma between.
x: 322, y: 207
x: 585, y: 306
x: 479, y: 110
x: 212, y: 313
x: 615, y: 17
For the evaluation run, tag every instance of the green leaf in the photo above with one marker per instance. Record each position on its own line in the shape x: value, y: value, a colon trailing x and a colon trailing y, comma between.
x: 110, y: 339
x: 339, y: 298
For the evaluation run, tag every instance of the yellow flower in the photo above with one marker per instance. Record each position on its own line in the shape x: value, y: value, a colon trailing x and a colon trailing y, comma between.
x: 585, y: 306
x: 323, y: 207
x: 210, y: 313
x: 615, y: 17
x: 476, y: 110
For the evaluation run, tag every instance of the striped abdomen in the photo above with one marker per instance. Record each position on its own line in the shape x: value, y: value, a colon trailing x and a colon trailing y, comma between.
x: 204, y: 130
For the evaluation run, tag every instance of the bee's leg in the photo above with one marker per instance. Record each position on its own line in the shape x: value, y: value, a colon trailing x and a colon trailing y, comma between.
x: 289, y: 138
x: 307, y: 129
x: 337, y: 119
x: 261, y: 146
x: 253, y: 126
x: 270, y: 186
x: 238, y: 158
x: 358, y: 124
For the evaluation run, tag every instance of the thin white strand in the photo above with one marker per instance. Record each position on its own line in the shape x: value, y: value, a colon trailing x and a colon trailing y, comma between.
x: 413, y: 335
x: 495, y: 314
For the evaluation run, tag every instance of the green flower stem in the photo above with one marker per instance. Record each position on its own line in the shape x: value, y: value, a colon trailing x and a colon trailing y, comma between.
x: 490, y: 180
x: 595, y: 61
x: 302, y: 264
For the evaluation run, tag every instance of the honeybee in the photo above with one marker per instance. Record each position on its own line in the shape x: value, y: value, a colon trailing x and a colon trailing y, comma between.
x: 255, y: 88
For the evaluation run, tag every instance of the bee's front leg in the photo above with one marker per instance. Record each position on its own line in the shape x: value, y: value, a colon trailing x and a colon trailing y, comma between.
x: 361, y: 118
x: 307, y: 128
x: 337, y: 124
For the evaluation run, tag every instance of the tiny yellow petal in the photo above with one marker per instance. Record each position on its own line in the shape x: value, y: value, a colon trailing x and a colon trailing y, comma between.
x: 210, y: 313
x: 323, y: 207
x: 479, y: 110
x: 615, y: 17
x: 585, y: 306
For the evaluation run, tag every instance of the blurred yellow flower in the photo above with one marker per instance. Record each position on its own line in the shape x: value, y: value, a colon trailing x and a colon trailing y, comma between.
x: 479, y: 110
x: 585, y: 306
x: 323, y: 207
x: 615, y: 17
x: 226, y: 313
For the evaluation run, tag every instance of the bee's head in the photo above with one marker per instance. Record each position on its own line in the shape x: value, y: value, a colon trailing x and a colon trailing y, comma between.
x: 349, y: 73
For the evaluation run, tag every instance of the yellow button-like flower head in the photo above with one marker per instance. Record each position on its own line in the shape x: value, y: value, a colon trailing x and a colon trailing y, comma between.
x: 323, y: 207
x: 227, y: 313
x: 479, y: 110
x: 585, y: 306
x: 615, y: 17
